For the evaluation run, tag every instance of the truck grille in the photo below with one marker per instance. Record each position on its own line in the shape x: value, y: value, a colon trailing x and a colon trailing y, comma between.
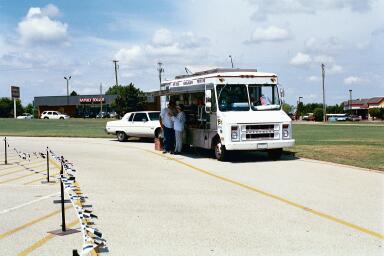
x: 260, y: 132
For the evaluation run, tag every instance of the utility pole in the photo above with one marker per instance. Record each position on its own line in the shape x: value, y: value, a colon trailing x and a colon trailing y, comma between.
x: 160, y: 69
x: 67, y: 78
x: 350, y: 101
x: 324, y: 107
x: 230, y: 56
x: 101, y: 97
x: 115, y: 62
x: 297, y: 108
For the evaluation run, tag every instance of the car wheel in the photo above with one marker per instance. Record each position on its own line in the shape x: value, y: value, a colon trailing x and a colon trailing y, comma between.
x: 275, y: 154
x: 121, y: 136
x: 61, y: 118
x: 221, y: 153
x: 46, y: 117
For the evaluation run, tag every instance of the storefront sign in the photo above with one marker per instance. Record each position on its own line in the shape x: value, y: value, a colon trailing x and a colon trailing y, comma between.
x: 92, y: 100
x: 15, y: 92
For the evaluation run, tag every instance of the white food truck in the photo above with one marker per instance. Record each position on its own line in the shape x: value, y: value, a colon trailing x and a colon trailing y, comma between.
x: 231, y: 109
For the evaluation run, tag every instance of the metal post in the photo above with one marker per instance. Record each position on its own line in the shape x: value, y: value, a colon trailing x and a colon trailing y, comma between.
x: 5, y: 150
x: 47, y: 165
x: 63, y: 228
x: 230, y: 56
x: 14, y: 108
x: 350, y: 101
x: 324, y: 107
x: 115, y: 62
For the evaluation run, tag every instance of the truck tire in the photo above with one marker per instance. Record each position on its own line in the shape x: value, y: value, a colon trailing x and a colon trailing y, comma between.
x: 220, y: 152
x: 275, y: 154
x: 46, y: 117
x: 121, y: 136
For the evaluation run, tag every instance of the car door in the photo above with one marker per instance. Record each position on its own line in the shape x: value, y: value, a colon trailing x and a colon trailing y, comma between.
x: 127, y: 123
x: 55, y: 115
x: 140, y: 124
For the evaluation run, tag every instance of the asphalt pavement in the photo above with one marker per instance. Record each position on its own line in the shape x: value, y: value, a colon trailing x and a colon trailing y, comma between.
x: 154, y: 204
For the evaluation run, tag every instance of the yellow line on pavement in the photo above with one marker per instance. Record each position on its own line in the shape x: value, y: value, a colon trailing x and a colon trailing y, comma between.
x: 39, y: 179
x: 21, y: 177
x: 25, y: 168
x: 26, y: 225
x: 44, y: 240
x: 278, y: 198
x: 21, y: 165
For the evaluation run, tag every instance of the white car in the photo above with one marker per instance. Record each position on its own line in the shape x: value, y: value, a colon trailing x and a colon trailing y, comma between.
x: 143, y: 124
x: 53, y: 115
x: 25, y: 116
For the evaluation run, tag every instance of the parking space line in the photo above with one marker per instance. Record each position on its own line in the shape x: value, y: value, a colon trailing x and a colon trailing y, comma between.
x: 275, y: 197
x: 44, y: 240
x: 25, y: 168
x: 40, y: 179
x: 21, y: 177
x: 27, y: 203
x: 18, y: 165
x: 28, y: 224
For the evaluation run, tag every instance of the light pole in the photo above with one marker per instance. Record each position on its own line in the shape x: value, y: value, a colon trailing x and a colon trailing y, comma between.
x: 162, y: 99
x: 67, y: 78
x: 230, y: 56
x: 116, y: 66
x: 350, y: 101
x: 324, y: 108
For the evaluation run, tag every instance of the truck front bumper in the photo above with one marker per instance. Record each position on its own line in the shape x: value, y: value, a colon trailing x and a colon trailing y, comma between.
x: 259, y: 145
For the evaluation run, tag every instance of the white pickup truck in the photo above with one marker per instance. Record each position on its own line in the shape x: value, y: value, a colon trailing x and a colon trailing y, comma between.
x: 143, y: 124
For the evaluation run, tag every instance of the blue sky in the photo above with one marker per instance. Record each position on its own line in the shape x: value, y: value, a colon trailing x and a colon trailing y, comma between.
x: 43, y: 41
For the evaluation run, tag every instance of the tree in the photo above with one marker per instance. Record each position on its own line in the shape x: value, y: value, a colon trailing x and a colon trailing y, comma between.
x: 287, y: 108
x: 129, y: 98
x: 6, y: 107
x: 318, y: 114
x: 29, y: 108
x: 375, y: 113
x: 73, y: 93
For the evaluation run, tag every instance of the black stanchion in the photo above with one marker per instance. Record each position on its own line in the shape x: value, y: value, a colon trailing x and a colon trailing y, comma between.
x: 63, y: 228
x: 5, y: 151
x: 47, y: 165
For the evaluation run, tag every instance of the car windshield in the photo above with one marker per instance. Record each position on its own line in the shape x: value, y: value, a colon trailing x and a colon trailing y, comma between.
x: 264, y: 96
x: 154, y: 116
x: 232, y: 97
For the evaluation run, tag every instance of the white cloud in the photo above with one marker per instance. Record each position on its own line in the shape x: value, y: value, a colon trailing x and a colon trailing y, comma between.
x: 353, y: 80
x: 38, y: 27
x: 163, y: 37
x: 334, y: 69
x: 129, y: 55
x: 271, y: 33
x: 265, y: 8
x: 325, y: 45
x: 313, y: 78
x: 301, y: 59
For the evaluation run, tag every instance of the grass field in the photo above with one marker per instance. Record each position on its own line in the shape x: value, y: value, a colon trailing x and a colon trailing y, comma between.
x: 357, y: 145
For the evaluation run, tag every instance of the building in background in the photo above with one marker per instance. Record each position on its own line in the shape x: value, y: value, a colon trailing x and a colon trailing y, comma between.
x: 75, y: 106
x: 360, y: 107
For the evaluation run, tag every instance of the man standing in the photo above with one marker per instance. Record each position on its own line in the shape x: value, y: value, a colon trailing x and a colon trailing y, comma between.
x: 166, y: 124
x: 179, y: 123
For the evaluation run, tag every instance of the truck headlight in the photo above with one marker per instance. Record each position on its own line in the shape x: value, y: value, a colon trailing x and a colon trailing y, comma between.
x: 286, y: 131
x: 235, y: 136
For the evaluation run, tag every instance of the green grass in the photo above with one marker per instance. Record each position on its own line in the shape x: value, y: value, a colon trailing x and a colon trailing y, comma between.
x: 357, y: 145
x: 74, y: 127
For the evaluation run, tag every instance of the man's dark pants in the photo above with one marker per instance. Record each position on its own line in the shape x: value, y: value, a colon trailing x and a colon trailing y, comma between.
x: 169, y: 139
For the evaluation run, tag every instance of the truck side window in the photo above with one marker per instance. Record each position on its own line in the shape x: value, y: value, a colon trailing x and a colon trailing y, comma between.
x: 131, y: 117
